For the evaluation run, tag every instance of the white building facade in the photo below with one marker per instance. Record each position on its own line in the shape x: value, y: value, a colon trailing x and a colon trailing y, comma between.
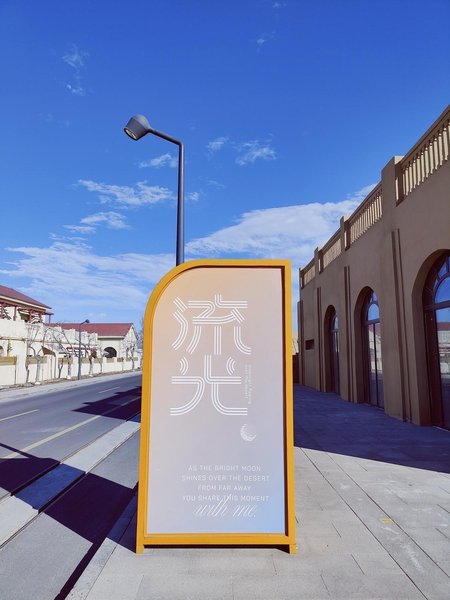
x: 33, y: 352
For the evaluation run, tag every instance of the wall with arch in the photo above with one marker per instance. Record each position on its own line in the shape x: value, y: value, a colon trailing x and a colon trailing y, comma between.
x: 393, y: 257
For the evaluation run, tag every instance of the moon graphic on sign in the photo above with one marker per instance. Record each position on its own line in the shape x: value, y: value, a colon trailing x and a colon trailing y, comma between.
x: 248, y: 432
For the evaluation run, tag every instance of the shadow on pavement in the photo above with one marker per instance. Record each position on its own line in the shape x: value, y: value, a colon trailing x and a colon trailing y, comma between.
x: 323, y: 421
x: 18, y: 471
x: 118, y: 406
x: 89, y: 509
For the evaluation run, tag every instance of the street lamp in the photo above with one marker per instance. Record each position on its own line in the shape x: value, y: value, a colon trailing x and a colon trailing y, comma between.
x: 137, y: 127
x: 79, y: 347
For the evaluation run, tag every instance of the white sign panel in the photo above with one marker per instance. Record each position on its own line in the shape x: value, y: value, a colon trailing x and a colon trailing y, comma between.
x: 216, y: 419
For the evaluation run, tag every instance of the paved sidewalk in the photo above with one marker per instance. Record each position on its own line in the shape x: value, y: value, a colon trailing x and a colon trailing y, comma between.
x: 373, y: 513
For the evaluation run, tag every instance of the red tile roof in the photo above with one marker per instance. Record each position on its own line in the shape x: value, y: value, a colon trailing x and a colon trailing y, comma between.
x: 7, y: 293
x: 101, y: 329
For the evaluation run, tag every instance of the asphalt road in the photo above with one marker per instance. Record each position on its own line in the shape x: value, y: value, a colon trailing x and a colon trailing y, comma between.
x: 40, y: 430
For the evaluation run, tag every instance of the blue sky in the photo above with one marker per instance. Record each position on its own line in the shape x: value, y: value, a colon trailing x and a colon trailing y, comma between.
x: 288, y: 111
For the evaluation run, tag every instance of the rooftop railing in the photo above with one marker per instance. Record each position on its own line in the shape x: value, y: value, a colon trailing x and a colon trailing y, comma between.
x: 366, y: 215
x: 426, y: 157
x: 331, y: 250
x: 308, y: 273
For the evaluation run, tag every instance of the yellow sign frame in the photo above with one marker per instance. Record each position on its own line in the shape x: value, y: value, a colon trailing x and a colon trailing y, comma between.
x: 288, y: 539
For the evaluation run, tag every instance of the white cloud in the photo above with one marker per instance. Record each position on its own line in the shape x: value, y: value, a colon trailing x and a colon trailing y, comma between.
x: 74, y: 280
x: 286, y: 232
x: 165, y: 160
x: 264, y: 38
x: 111, y: 219
x: 75, y: 59
x: 193, y: 196
x: 80, y: 228
x: 254, y: 150
x: 50, y: 118
x: 76, y: 88
x: 214, y: 184
x: 126, y: 196
x: 217, y: 144
x: 77, y: 282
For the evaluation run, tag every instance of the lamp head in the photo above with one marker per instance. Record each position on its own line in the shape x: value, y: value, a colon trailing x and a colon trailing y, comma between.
x: 137, y: 127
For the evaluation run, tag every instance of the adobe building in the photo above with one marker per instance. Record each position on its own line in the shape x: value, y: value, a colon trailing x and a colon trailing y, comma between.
x: 374, y: 310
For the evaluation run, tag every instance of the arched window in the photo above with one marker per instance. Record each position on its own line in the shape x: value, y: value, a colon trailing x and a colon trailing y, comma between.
x: 374, y: 364
x: 331, y: 343
x: 436, y: 304
x: 334, y: 347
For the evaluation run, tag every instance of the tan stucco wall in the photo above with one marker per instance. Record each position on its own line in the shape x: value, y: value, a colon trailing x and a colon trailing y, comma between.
x: 393, y: 258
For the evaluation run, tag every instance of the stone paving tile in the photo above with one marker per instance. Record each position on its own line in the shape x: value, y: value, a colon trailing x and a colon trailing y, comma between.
x: 289, y: 587
x: 207, y: 586
x: 306, y: 564
x: 236, y: 562
x: 117, y: 586
x: 342, y: 586
x: 436, y: 546
x: 373, y: 521
x: 378, y: 562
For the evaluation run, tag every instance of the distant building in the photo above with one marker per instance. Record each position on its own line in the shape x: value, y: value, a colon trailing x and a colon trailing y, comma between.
x: 114, y: 339
x: 32, y: 351
x: 15, y: 305
x: 374, y: 310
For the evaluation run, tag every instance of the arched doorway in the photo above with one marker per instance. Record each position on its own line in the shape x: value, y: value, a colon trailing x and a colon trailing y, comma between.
x: 372, y: 340
x: 436, y: 304
x: 110, y: 352
x: 331, y: 326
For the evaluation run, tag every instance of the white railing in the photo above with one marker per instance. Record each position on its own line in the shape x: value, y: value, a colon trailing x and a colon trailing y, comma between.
x: 426, y: 157
x: 308, y: 273
x: 331, y: 250
x: 430, y: 153
x: 366, y: 215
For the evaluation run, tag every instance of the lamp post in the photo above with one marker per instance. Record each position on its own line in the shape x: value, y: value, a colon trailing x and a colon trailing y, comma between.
x: 79, y: 347
x: 137, y: 127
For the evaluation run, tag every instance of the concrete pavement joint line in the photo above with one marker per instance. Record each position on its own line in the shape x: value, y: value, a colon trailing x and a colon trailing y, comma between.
x: 60, y: 433
x: 359, y: 566
x: 19, y: 415
x: 109, y: 389
x: 15, y: 513
x: 325, y: 585
x: 366, y: 526
x: 390, y: 518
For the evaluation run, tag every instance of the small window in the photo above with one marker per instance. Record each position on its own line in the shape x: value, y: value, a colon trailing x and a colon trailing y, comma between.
x: 309, y: 344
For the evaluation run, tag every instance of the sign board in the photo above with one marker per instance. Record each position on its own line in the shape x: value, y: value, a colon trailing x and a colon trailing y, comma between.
x: 216, y: 455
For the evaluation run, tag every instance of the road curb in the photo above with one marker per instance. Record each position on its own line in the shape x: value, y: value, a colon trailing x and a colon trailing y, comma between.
x: 86, y: 582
